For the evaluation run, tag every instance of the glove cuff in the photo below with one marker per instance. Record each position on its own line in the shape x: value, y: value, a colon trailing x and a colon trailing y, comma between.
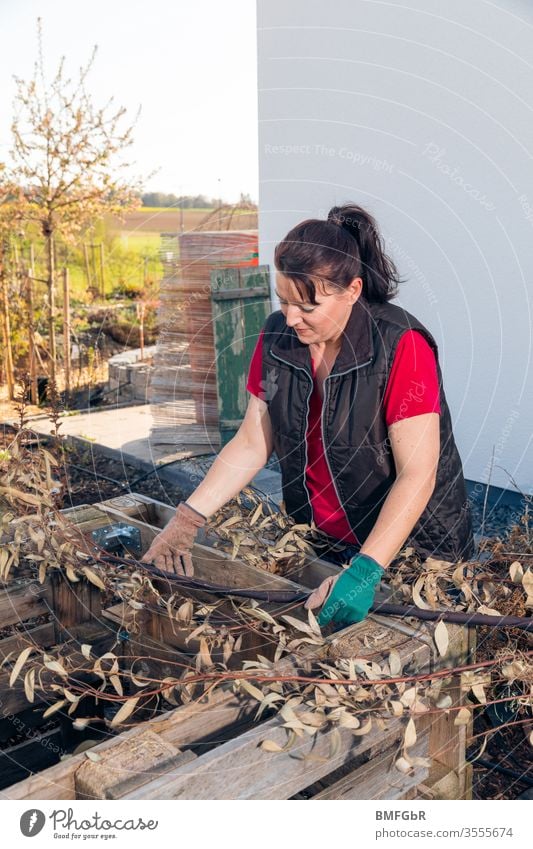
x: 366, y: 568
x: 194, y: 516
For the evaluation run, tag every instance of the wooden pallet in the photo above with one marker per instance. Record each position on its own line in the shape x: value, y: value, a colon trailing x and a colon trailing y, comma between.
x: 209, y: 749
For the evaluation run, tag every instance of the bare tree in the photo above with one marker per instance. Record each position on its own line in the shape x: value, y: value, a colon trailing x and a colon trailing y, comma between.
x: 68, y: 157
x: 12, y: 206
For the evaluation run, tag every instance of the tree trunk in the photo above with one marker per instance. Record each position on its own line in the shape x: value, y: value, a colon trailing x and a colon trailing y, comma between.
x: 51, y: 304
x: 66, y: 328
x: 31, y: 329
x: 6, y: 336
x: 31, y: 339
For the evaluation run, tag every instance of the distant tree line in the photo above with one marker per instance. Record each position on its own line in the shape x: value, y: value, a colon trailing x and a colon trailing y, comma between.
x: 186, y: 201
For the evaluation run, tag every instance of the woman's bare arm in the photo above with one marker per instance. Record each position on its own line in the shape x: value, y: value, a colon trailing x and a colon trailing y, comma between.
x: 238, y: 462
x: 415, y: 446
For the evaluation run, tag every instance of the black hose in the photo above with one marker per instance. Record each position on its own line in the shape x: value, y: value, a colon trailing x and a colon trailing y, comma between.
x: 503, y: 769
x: 92, y: 473
x: 294, y: 596
x: 458, y: 617
x: 279, y: 596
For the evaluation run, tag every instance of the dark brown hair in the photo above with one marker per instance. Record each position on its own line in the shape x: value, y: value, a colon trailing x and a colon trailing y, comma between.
x: 347, y: 244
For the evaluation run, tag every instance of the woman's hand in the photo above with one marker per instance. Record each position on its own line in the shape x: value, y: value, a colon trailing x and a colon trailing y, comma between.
x: 171, y: 549
x: 348, y: 597
x: 321, y: 593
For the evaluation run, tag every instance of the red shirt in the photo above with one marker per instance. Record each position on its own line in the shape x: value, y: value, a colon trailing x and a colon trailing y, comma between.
x: 412, y: 389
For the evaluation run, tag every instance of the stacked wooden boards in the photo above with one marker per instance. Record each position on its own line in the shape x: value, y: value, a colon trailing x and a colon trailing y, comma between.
x: 183, y: 391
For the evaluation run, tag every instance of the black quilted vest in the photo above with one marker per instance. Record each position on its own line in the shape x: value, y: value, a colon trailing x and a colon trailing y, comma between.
x: 354, y: 430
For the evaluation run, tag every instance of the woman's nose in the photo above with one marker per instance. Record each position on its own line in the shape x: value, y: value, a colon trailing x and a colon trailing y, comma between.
x: 293, y: 316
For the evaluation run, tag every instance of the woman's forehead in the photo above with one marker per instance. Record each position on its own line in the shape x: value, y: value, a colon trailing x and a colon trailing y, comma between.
x: 287, y: 289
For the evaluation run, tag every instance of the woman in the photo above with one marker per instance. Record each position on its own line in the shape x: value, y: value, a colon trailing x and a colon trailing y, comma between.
x: 346, y: 387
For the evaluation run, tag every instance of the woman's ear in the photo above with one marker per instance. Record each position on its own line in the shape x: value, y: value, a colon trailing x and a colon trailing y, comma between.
x: 355, y: 288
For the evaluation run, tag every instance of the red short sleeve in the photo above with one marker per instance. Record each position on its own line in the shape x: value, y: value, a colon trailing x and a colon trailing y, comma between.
x: 255, y: 372
x: 413, y: 386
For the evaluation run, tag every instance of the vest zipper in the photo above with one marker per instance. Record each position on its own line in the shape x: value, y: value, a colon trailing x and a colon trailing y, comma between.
x: 324, y: 439
x: 306, y: 424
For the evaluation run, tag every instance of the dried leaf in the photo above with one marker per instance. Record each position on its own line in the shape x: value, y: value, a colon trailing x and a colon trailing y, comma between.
x: 257, y: 613
x: 255, y: 692
x: 70, y: 696
x: 527, y: 583
x: 516, y: 572
x: 117, y: 684
x: 410, y: 735
x: 54, y: 708
x: 360, y: 732
x: 335, y: 743
x: 403, y: 765
x: 267, y: 702
x: 204, y: 653
x: 463, y: 717
x: 93, y: 577
x: 257, y: 513
x: 55, y: 666
x: 488, y: 611
x: 185, y: 612
x: 479, y: 692
x: 395, y: 663
x: 71, y: 575
x: 271, y: 746
x: 21, y: 660
x: 417, y: 598
x: 125, y: 711
x: 442, y: 639
x: 29, y: 684
x: 86, y: 650
x: 299, y: 626
x: 81, y: 722
x: 19, y: 495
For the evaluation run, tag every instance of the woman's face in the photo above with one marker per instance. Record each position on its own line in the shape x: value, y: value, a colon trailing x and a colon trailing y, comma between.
x: 324, y: 322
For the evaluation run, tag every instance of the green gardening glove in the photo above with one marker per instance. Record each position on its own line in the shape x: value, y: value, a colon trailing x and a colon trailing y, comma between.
x: 353, y: 592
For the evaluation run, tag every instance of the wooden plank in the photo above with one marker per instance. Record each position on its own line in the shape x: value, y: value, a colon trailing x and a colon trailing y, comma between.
x: 128, y: 757
x: 123, y: 789
x: 23, y: 602
x: 41, y: 635
x: 450, y: 774
x: 36, y: 754
x: 256, y: 774
x: 238, y: 317
x: 141, y: 507
x: 73, y: 604
x: 379, y: 778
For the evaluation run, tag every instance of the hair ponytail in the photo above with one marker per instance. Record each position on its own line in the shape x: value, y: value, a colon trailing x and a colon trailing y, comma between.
x: 347, y: 245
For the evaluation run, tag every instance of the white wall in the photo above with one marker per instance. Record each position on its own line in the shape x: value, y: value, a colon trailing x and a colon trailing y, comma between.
x: 424, y: 115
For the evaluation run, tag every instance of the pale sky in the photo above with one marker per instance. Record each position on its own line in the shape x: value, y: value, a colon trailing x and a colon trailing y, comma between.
x: 191, y: 66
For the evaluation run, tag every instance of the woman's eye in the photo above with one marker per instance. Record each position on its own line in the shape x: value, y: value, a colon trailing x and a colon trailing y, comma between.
x: 303, y: 309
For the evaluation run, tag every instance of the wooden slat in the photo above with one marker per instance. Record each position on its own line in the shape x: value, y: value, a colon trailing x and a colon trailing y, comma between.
x: 238, y: 317
x: 256, y: 774
x: 36, y: 754
x: 73, y: 605
x: 41, y: 635
x: 24, y: 602
x: 379, y: 778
